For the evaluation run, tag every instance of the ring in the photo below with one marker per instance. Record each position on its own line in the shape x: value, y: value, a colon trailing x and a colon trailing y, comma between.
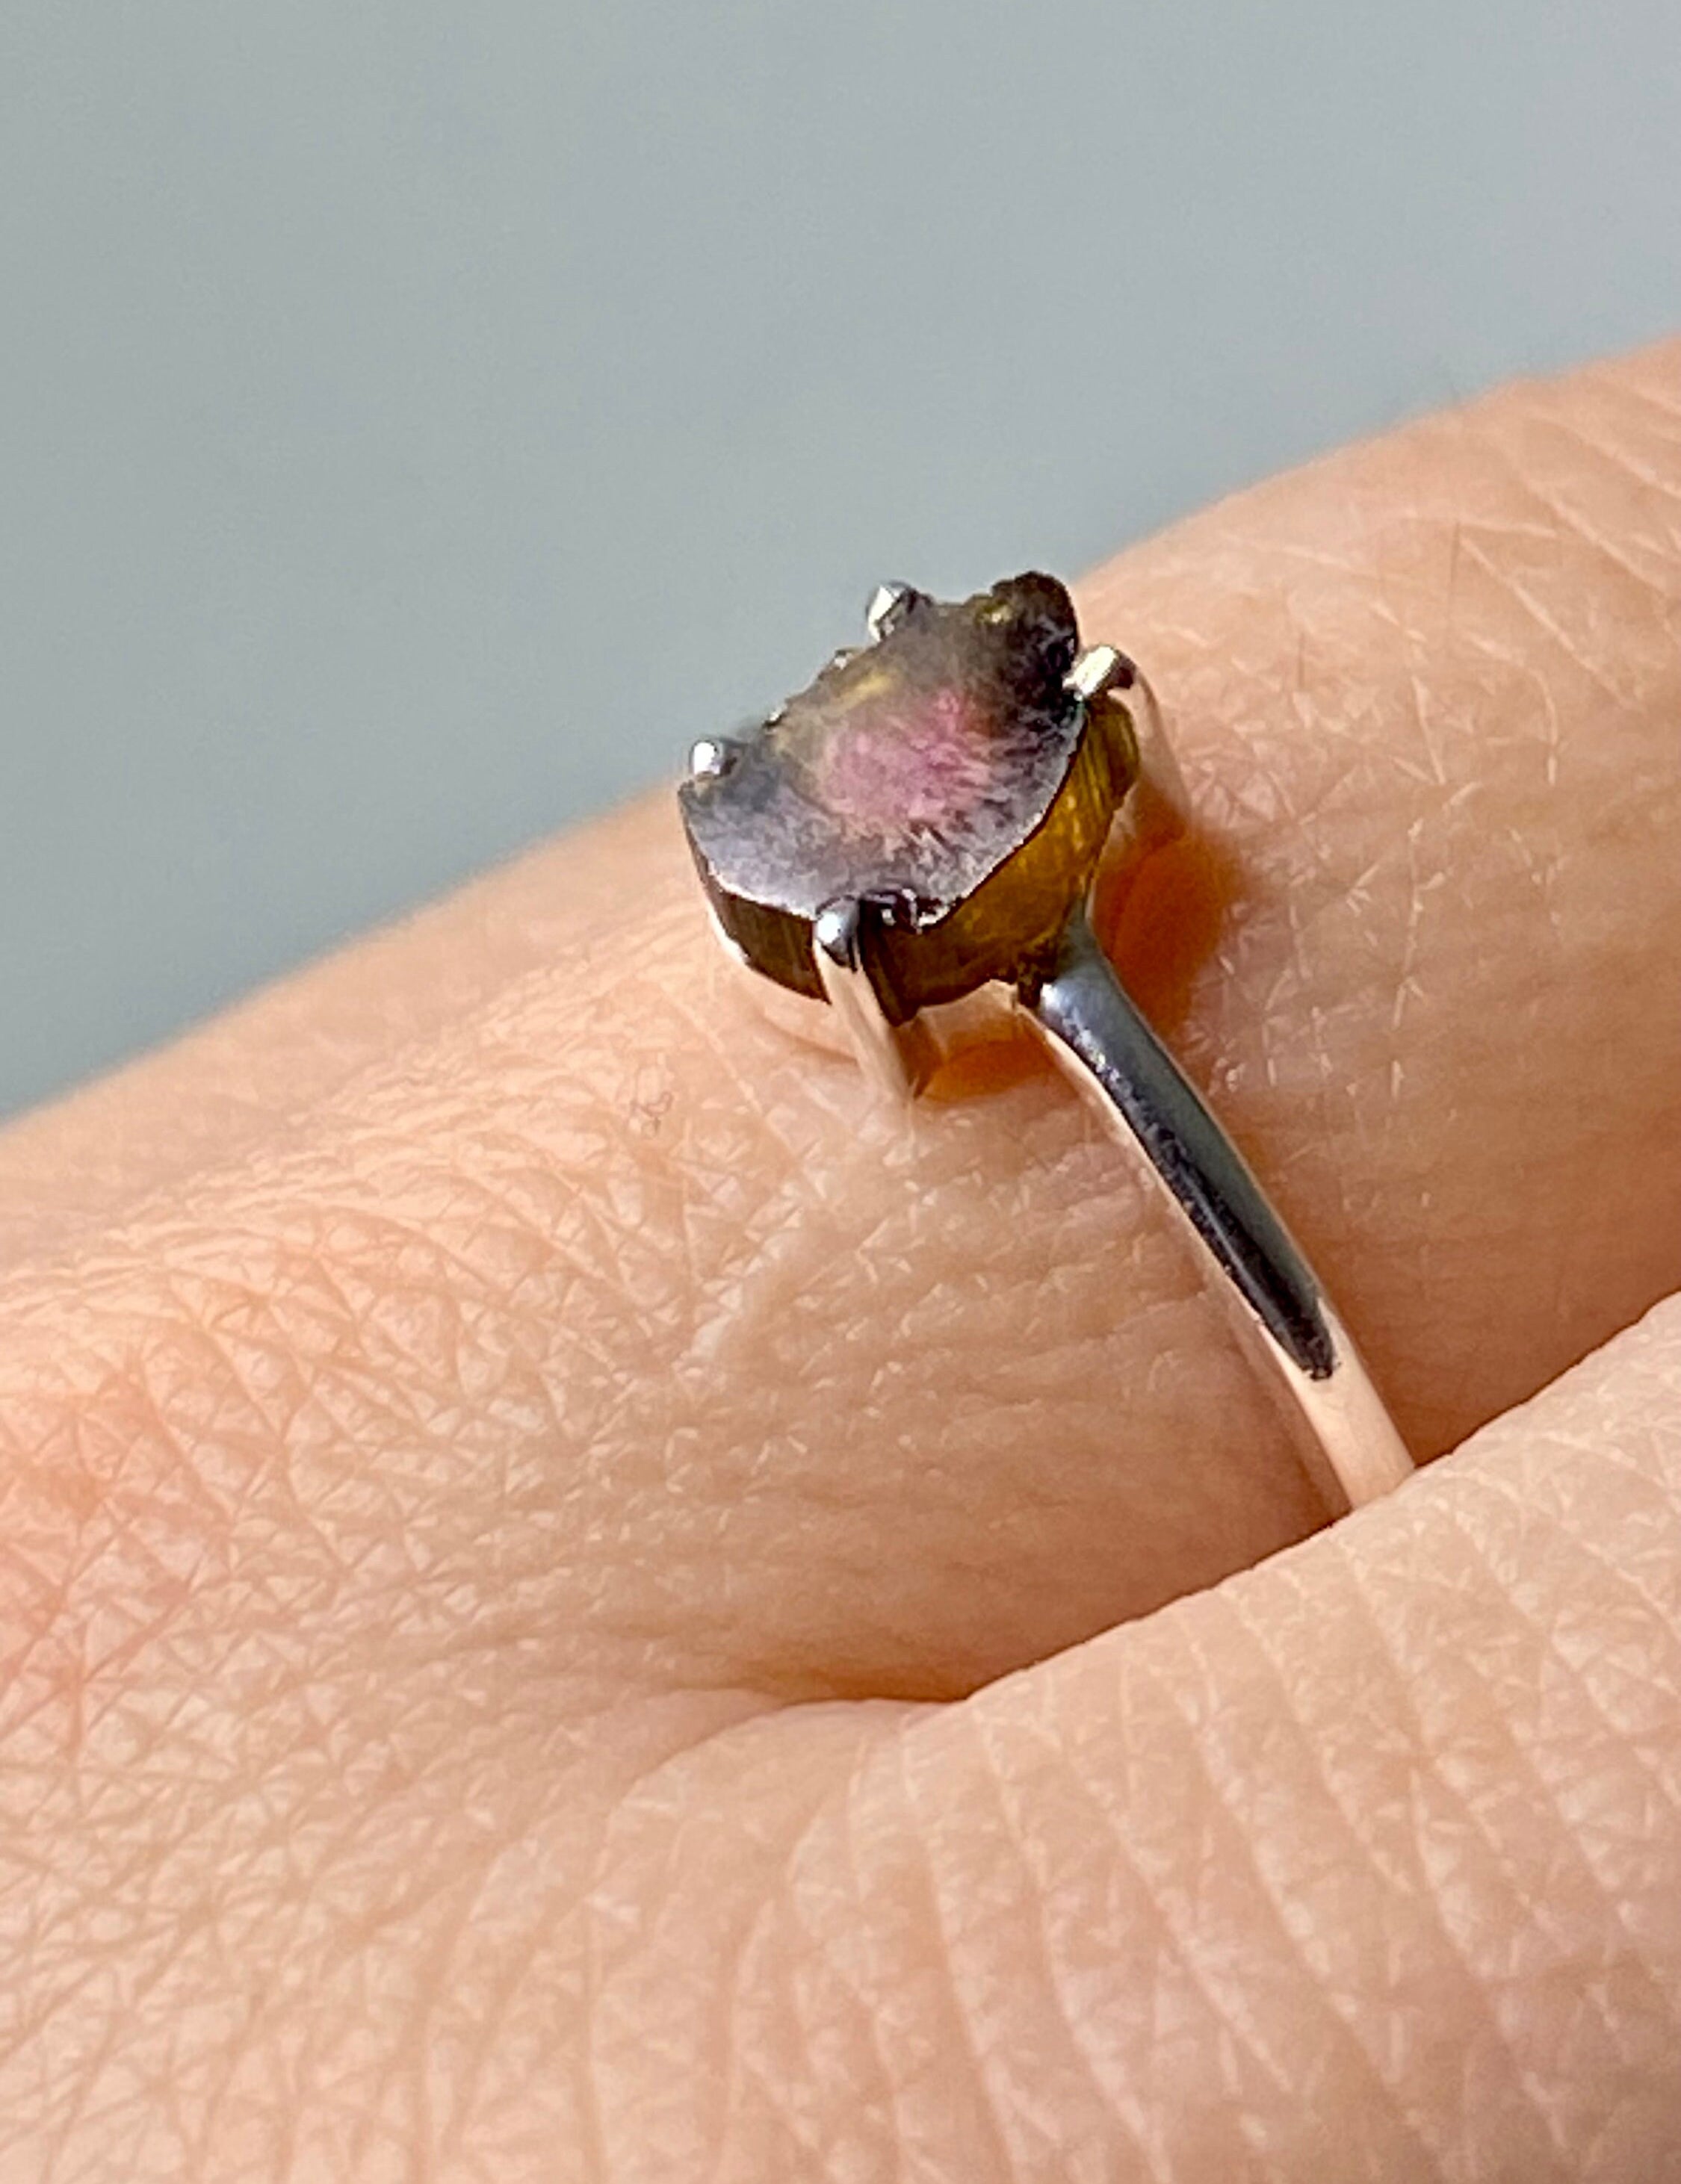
x: 905, y: 855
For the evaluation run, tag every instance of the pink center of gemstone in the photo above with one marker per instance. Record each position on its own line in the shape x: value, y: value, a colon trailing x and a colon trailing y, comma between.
x: 924, y: 765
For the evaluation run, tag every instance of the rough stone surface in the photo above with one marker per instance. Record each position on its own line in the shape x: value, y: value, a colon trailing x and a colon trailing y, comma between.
x: 915, y: 768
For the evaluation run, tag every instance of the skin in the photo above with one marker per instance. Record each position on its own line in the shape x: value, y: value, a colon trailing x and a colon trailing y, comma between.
x: 578, y: 1600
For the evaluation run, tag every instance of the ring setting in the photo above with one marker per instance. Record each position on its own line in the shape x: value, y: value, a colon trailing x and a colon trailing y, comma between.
x: 904, y: 856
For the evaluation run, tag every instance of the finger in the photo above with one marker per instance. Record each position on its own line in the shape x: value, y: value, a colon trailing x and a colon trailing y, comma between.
x: 1367, y: 1865
x: 692, y: 1363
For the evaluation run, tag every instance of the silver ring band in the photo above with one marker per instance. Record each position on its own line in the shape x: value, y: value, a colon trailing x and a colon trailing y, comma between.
x: 1097, y: 1036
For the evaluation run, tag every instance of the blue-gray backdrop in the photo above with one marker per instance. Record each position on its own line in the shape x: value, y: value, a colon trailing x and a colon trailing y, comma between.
x: 418, y: 421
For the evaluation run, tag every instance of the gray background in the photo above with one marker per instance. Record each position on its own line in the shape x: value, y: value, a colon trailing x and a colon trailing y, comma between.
x: 416, y: 422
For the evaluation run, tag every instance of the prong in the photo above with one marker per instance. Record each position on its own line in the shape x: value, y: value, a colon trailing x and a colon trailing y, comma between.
x: 712, y: 757
x: 888, y: 604
x: 890, y: 1054
x: 1099, y: 668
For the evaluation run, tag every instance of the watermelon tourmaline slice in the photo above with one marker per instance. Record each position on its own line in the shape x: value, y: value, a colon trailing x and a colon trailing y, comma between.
x: 948, y: 768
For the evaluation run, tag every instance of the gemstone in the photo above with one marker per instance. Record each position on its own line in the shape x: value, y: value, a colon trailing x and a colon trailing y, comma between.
x: 947, y: 772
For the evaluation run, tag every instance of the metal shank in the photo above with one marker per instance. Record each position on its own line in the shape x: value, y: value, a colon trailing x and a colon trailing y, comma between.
x: 1101, y: 1040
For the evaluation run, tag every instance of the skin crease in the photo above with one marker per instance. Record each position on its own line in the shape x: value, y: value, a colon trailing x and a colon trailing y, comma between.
x: 512, y: 1472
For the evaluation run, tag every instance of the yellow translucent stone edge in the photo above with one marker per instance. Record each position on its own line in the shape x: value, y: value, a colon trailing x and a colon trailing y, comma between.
x: 1014, y: 917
